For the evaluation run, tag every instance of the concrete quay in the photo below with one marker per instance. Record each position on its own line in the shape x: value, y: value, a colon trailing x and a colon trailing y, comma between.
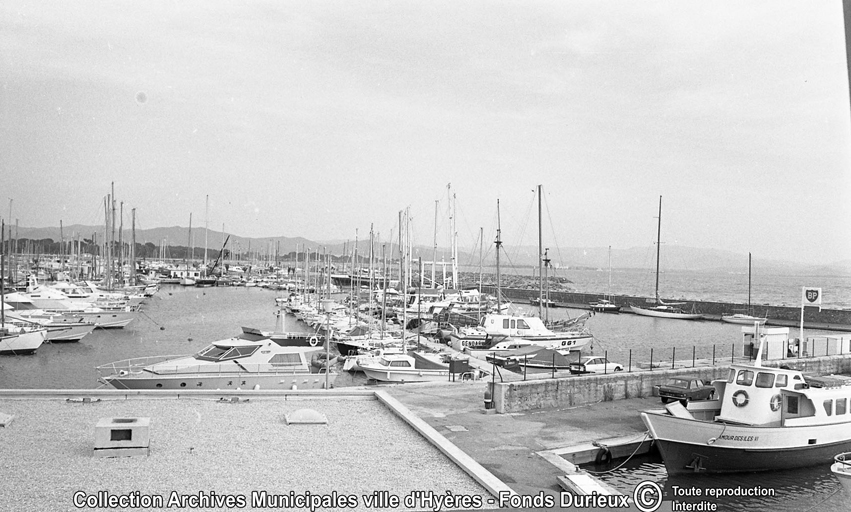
x: 533, y: 451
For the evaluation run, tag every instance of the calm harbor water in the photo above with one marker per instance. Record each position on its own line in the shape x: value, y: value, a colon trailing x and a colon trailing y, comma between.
x: 181, y: 321
x: 766, y: 289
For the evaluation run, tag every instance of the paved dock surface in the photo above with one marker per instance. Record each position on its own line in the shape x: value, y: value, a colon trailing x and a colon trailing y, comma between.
x: 510, y: 445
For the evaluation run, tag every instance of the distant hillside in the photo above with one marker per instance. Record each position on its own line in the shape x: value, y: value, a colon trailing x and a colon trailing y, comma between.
x: 673, y: 257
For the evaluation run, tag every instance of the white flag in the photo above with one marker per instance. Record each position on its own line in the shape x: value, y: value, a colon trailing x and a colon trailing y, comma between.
x: 811, y: 296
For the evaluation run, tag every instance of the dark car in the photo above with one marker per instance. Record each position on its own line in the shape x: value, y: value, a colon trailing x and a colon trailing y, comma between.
x: 685, y: 389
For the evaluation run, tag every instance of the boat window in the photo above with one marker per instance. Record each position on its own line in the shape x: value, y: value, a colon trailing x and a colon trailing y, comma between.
x: 732, y: 376
x: 764, y: 380
x: 521, y: 324
x: 211, y: 353
x: 405, y: 364
x: 237, y: 352
x: 505, y: 323
x: 781, y: 381
x: 828, y: 407
x: 792, y: 404
x: 513, y: 324
x: 745, y: 378
x: 841, y: 406
x: 285, y: 360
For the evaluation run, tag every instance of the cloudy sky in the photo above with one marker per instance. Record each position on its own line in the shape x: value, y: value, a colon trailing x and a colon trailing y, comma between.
x: 319, y: 119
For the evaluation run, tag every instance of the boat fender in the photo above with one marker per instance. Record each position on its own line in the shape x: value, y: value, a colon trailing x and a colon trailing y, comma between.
x: 775, y: 402
x: 604, y: 456
x: 740, y: 398
x: 313, y: 341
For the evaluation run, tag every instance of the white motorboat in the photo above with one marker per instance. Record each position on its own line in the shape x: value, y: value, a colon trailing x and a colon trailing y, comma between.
x: 401, y: 368
x: 103, y: 317
x: 59, y: 328
x: 841, y: 469
x: 763, y: 419
x: 493, y: 329
x: 248, y: 361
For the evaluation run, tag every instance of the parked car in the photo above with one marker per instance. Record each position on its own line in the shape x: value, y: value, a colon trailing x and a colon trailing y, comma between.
x: 685, y: 389
x: 594, y: 364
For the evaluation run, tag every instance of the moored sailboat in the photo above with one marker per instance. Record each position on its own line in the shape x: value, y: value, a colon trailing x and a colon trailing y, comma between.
x: 663, y: 309
x: 746, y: 318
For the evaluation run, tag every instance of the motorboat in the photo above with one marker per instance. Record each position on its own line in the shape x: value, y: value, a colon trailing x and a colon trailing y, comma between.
x: 841, y: 469
x: 104, y: 317
x: 763, y: 419
x: 59, y: 328
x: 493, y: 329
x: 401, y: 368
x: 605, y: 306
x: 247, y: 361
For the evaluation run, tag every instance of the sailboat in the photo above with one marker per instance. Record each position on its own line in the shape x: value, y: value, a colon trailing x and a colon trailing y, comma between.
x: 663, y: 309
x: 606, y: 305
x: 746, y: 318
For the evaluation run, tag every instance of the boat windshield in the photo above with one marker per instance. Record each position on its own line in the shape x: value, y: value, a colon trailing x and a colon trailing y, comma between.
x: 217, y: 353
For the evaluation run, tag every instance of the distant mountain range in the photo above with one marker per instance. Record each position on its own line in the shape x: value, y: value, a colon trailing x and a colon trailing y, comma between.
x: 673, y: 257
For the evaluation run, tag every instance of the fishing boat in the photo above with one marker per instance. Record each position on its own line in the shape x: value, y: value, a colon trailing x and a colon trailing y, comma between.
x: 247, y: 361
x: 841, y: 469
x: 746, y: 318
x: 662, y: 309
x: 401, y: 368
x: 764, y: 419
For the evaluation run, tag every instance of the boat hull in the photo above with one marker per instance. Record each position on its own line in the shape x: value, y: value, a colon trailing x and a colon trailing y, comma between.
x: 69, y: 332
x: 24, y: 343
x: 696, y: 446
x: 221, y: 381
x: 415, y: 375
x: 742, y: 319
x: 841, y: 469
x: 664, y: 314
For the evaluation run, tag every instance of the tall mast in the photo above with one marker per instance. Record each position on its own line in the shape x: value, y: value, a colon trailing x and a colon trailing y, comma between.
x: 540, y: 261
x: 610, y: 273
x: 498, y: 244
x: 658, y: 247
x: 434, y: 251
x: 749, y: 284
x: 133, y: 250
x: 2, y: 271
x: 192, y: 253
x: 206, y: 230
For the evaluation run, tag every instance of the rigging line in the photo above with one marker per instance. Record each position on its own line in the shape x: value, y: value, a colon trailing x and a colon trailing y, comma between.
x: 552, y: 228
x: 646, y: 435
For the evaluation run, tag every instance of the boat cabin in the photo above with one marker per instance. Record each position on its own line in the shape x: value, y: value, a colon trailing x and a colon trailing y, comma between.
x: 751, y: 395
x: 508, y: 325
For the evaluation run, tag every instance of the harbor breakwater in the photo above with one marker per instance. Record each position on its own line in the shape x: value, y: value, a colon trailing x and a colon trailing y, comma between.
x: 784, y: 316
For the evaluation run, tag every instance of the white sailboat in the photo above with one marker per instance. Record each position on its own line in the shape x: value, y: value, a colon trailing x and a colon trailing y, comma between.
x: 746, y: 318
x: 606, y: 305
x: 663, y: 309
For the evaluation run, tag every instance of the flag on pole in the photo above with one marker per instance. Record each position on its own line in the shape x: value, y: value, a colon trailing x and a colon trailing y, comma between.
x: 811, y: 297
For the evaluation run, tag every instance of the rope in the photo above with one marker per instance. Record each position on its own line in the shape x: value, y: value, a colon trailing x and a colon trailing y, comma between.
x: 646, y: 435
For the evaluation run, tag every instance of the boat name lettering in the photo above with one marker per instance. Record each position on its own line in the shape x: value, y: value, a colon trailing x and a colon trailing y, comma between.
x: 747, y: 439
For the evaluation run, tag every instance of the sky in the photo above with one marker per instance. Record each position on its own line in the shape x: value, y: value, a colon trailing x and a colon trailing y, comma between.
x: 326, y: 119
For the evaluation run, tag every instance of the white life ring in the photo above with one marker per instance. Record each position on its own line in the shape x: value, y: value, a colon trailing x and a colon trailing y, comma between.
x: 740, y: 398
x: 775, y: 402
x: 313, y: 341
